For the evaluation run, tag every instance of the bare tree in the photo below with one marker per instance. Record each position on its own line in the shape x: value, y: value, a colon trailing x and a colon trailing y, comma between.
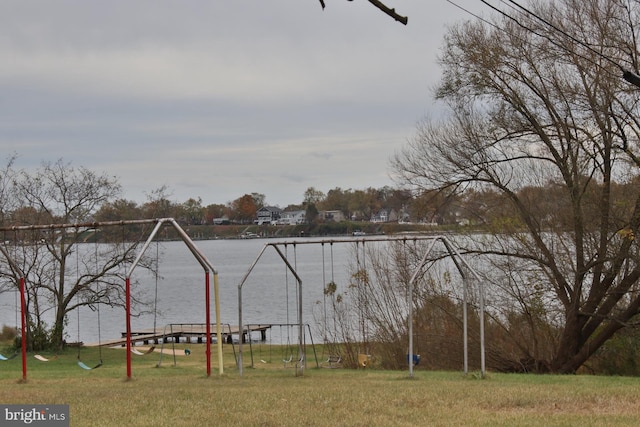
x: 63, y: 272
x: 537, y: 98
x: 6, y: 178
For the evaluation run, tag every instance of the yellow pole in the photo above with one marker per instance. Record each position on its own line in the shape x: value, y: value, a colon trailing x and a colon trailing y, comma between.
x: 218, y: 327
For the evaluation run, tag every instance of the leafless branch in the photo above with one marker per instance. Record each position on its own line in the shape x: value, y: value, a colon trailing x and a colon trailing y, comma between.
x: 386, y: 9
x: 391, y: 12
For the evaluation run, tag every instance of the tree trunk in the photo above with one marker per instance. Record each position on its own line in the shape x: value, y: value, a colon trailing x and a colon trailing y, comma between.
x: 57, y: 332
x: 568, y: 347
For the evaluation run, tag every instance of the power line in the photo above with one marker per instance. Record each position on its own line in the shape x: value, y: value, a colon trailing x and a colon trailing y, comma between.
x: 541, y: 35
x: 627, y: 75
x: 474, y: 15
x: 564, y: 33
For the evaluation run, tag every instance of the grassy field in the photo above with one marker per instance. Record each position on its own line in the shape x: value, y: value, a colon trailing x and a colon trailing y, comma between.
x: 272, y: 395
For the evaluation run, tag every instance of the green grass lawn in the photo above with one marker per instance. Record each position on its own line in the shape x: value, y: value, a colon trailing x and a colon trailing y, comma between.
x: 272, y: 395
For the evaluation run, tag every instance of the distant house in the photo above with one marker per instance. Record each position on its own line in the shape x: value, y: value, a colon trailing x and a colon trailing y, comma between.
x: 404, y: 217
x: 385, y: 215
x: 268, y: 215
x: 335, y: 216
x: 293, y: 217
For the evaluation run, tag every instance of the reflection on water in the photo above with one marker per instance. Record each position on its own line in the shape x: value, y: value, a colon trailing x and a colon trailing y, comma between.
x: 269, y: 294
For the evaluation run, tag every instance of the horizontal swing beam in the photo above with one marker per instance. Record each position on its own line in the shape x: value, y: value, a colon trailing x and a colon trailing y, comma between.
x: 403, y: 238
x: 93, y: 224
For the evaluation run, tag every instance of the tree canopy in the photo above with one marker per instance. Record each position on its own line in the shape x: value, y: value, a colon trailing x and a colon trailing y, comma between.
x: 537, y: 100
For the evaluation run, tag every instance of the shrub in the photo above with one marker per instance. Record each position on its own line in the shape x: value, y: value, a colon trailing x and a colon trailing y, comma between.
x: 9, y: 333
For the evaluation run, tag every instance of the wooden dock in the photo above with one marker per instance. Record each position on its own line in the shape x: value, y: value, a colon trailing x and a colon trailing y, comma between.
x: 185, y: 332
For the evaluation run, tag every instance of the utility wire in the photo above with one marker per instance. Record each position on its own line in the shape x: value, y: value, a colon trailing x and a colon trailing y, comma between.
x: 474, y: 15
x: 544, y: 36
x: 629, y: 76
x: 626, y: 74
x: 564, y: 33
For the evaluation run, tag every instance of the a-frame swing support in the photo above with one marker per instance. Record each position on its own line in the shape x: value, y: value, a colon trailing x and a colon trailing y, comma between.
x: 208, y: 269
x: 202, y: 260
x: 457, y: 259
x: 453, y: 253
x: 301, y: 356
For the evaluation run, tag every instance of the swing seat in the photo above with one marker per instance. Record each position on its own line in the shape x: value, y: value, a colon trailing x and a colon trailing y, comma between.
x: 13, y: 356
x: 143, y: 353
x: 88, y: 368
x: 364, y: 360
x: 44, y: 359
x: 333, y: 361
x: 415, y: 359
x: 291, y: 362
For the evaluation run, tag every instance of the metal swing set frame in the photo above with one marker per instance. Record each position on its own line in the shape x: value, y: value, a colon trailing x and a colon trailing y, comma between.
x: 461, y: 265
x: 159, y: 223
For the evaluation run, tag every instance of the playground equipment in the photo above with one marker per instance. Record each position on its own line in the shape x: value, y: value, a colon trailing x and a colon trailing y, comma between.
x: 200, y: 258
x: 5, y: 358
x: 79, y: 343
x: 333, y: 359
x: 80, y: 362
x: 288, y: 357
x: 361, y: 277
x: 364, y: 358
x: 43, y: 358
x: 172, y: 332
x: 155, y: 304
x: 300, y: 358
x: 413, y: 359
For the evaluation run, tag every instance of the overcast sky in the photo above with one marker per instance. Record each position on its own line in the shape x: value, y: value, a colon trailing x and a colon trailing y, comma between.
x: 219, y: 98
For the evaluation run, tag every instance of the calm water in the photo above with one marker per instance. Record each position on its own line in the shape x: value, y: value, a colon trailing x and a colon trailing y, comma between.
x: 181, y: 290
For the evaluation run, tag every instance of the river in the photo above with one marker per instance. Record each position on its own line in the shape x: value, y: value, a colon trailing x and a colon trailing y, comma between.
x: 269, y: 293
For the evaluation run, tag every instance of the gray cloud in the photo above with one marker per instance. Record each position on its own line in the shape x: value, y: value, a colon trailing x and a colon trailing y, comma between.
x: 218, y: 99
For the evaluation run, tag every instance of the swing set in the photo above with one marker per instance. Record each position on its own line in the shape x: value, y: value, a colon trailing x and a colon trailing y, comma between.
x: 300, y: 359
x: 208, y: 268
x: 364, y: 358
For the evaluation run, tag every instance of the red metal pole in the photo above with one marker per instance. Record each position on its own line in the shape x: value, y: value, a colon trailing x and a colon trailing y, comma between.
x: 208, y: 317
x: 23, y: 310
x: 128, y: 309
